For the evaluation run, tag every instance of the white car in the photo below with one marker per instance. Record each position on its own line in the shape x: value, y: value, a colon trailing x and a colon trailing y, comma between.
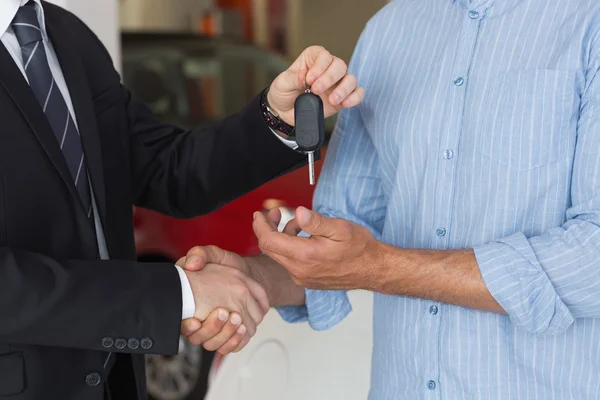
x: 294, y: 362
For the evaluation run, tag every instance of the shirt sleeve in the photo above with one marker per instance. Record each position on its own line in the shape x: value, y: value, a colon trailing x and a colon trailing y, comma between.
x: 292, y: 144
x: 349, y: 187
x: 545, y: 282
x: 188, y: 303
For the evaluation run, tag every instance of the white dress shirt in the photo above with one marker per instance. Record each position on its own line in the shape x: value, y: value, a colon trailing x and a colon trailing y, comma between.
x: 8, y: 10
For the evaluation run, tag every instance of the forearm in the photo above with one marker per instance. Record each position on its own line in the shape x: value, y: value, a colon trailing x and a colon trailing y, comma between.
x: 447, y: 276
x: 278, y: 283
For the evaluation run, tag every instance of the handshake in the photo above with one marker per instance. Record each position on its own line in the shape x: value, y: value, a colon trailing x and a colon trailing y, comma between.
x: 229, y: 299
x: 233, y: 294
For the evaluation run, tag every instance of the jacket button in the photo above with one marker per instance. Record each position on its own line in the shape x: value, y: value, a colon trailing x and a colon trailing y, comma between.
x: 93, y: 379
x: 146, y: 343
x: 133, y: 344
x: 108, y: 342
x: 120, y: 343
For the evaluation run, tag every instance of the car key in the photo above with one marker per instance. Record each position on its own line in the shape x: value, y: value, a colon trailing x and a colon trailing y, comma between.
x: 310, y: 127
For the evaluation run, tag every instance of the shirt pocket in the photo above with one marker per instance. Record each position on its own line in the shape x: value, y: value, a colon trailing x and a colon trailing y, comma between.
x: 527, y: 118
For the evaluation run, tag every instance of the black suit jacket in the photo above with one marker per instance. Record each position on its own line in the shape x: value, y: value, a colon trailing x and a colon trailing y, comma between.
x: 61, y: 308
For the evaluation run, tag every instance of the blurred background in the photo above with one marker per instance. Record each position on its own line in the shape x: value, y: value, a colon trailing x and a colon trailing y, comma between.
x: 194, y: 62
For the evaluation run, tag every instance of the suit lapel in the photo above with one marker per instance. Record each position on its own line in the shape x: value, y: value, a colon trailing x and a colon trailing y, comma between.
x: 17, y: 88
x: 75, y: 77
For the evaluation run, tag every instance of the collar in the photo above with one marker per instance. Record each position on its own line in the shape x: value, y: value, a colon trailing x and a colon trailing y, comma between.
x: 8, y: 10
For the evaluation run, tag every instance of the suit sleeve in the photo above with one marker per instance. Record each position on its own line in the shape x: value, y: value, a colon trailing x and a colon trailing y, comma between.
x: 80, y: 303
x: 187, y: 173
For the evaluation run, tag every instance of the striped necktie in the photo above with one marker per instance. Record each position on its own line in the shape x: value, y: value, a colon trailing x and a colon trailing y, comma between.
x: 35, y: 62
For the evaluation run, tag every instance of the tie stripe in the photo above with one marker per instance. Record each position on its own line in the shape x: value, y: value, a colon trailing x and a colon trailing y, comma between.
x: 37, y: 69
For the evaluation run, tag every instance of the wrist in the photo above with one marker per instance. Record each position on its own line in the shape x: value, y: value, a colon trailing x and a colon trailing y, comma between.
x: 281, y: 114
x: 258, y: 272
x: 390, y: 265
x: 277, y: 282
x: 272, y: 117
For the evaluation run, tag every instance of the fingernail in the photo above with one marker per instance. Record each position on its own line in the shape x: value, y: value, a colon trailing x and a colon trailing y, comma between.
x: 236, y: 320
x: 241, y: 330
x: 223, y: 315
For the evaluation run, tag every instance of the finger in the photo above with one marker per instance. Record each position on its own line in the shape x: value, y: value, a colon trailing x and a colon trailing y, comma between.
x: 355, y: 98
x: 234, y: 342
x: 262, y: 223
x: 259, y: 294
x: 316, y: 224
x: 243, y: 344
x: 210, y: 327
x: 256, y: 312
x: 344, y: 89
x: 335, y: 73
x: 322, y: 62
x: 190, y: 326
x: 229, y: 330
x: 272, y: 242
x: 292, y: 228
x: 274, y: 217
x: 302, y: 77
x: 181, y: 262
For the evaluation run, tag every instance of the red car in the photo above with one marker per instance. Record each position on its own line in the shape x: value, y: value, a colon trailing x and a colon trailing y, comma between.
x: 189, y: 80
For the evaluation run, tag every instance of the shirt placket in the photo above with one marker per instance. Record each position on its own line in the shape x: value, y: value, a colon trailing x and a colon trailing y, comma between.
x: 448, y: 155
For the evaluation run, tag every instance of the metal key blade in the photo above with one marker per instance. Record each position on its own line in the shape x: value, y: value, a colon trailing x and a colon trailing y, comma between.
x: 311, y: 167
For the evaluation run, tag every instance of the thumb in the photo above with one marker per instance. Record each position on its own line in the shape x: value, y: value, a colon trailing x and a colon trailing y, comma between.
x: 190, y: 326
x: 198, y: 257
x: 314, y: 223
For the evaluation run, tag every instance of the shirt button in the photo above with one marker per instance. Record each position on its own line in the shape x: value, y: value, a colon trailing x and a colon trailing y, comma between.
x: 93, y: 379
x: 459, y: 81
x: 433, y: 310
x: 473, y: 14
x: 448, y: 154
x: 441, y: 231
x: 431, y: 385
x: 108, y: 342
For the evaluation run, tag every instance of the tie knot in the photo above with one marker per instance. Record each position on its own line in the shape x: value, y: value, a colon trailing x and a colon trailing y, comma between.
x: 26, y: 25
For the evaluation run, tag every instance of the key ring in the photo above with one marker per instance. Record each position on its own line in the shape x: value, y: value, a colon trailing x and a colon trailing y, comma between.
x: 306, y: 88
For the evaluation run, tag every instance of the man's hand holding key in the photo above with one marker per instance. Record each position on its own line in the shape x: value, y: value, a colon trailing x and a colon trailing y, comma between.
x: 328, y: 78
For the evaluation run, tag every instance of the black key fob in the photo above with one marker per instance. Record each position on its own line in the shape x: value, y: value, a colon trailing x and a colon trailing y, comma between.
x: 310, y: 122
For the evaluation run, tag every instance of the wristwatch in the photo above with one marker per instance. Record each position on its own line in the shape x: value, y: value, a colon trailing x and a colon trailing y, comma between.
x: 272, y: 118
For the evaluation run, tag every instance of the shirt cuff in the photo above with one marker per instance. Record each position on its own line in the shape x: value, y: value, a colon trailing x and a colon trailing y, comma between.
x: 187, y: 296
x: 324, y: 309
x: 289, y: 143
x: 517, y: 281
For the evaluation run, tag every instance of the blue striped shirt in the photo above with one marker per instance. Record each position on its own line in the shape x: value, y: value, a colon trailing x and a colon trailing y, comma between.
x: 480, y: 129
